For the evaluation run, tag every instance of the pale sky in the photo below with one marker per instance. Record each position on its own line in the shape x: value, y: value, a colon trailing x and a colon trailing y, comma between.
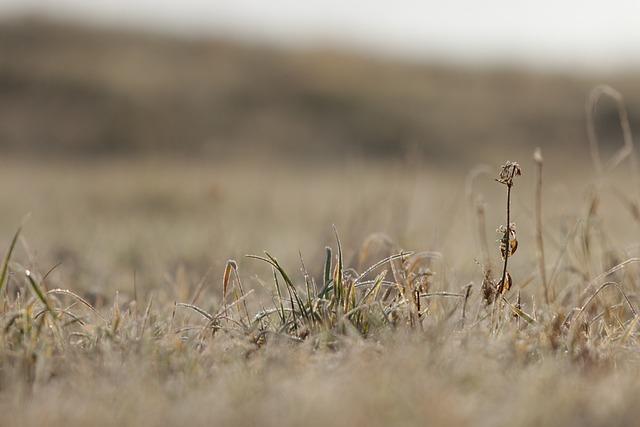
x: 547, y: 33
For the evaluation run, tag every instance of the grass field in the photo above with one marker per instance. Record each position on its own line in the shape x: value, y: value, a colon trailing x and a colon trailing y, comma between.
x: 213, y: 245
x: 154, y: 328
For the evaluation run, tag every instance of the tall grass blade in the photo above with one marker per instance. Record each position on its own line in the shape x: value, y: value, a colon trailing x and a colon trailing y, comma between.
x: 7, y: 259
x: 41, y: 296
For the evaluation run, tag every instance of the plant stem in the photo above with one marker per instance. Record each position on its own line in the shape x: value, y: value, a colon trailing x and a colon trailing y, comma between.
x: 539, y: 237
x: 507, y: 235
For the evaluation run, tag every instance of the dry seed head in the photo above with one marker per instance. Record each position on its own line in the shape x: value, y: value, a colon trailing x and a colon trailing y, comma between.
x: 537, y: 156
x: 508, y: 171
x: 502, y: 230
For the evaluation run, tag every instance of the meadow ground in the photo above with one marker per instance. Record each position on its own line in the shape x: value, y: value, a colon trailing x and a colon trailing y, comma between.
x: 150, y: 325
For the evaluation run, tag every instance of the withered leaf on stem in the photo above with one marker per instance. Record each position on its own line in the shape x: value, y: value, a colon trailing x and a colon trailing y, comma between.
x: 502, y: 288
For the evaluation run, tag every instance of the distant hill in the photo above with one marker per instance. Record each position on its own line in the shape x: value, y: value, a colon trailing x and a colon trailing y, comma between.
x: 74, y: 91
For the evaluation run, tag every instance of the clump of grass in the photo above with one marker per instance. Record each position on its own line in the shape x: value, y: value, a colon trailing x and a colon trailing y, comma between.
x: 403, y: 290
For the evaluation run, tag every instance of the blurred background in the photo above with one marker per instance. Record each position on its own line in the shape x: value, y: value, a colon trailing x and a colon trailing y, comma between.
x: 160, y: 139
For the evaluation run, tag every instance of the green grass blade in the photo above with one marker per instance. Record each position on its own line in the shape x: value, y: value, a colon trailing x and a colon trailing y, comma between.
x: 283, y: 318
x: 327, y: 267
x: 338, y: 276
x: 41, y: 296
x: 7, y: 259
